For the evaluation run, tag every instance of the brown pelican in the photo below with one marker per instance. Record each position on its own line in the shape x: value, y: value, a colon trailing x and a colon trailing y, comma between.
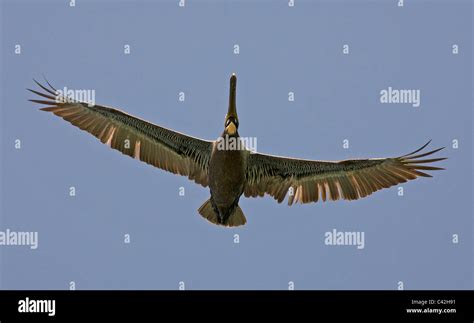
x: 229, y: 173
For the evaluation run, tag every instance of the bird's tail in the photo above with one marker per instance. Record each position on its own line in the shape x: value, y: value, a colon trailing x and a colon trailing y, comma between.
x: 236, y: 219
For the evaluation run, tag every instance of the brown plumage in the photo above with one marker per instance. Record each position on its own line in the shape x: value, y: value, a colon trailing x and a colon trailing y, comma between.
x: 311, y: 180
x: 229, y: 173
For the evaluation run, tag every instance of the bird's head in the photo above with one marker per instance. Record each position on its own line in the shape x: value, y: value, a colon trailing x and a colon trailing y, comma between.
x: 231, y: 123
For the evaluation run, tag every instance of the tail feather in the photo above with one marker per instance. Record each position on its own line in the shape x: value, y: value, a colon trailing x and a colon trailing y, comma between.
x: 207, y: 212
x: 236, y: 219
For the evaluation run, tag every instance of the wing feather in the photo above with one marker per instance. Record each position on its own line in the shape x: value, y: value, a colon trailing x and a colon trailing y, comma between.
x: 312, y: 180
x: 160, y: 147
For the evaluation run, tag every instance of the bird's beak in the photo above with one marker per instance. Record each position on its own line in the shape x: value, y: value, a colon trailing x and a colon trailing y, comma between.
x: 232, y: 112
x: 231, y: 129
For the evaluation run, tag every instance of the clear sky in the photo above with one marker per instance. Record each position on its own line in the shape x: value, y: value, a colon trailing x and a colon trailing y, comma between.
x: 408, y: 239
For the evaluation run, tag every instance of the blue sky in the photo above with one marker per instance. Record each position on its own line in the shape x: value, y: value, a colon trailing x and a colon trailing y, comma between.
x: 282, y: 49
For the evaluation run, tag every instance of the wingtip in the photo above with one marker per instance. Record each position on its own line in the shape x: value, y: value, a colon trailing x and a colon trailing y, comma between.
x: 411, y: 155
x: 42, y: 101
x: 49, y: 84
x: 51, y: 91
x: 48, y: 109
x: 38, y: 83
x: 36, y: 101
x: 426, y: 145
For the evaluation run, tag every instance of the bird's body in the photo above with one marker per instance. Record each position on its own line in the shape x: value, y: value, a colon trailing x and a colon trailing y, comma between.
x: 227, y: 170
x: 226, y: 179
x: 231, y: 171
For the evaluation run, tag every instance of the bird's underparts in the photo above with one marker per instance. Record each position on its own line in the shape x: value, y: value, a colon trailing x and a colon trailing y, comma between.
x: 229, y: 173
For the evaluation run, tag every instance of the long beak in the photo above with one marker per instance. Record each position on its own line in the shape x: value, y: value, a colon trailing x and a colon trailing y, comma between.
x: 232, y: 112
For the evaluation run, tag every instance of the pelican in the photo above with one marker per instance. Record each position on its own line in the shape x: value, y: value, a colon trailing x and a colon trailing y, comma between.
x: 229, y: 173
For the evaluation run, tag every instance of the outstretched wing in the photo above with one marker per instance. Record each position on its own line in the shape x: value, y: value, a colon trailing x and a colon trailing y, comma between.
x: 163, y: 148
x: 311, y: 180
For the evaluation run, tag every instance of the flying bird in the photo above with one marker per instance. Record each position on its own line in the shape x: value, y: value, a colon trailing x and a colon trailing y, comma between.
x: 229, y: 173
